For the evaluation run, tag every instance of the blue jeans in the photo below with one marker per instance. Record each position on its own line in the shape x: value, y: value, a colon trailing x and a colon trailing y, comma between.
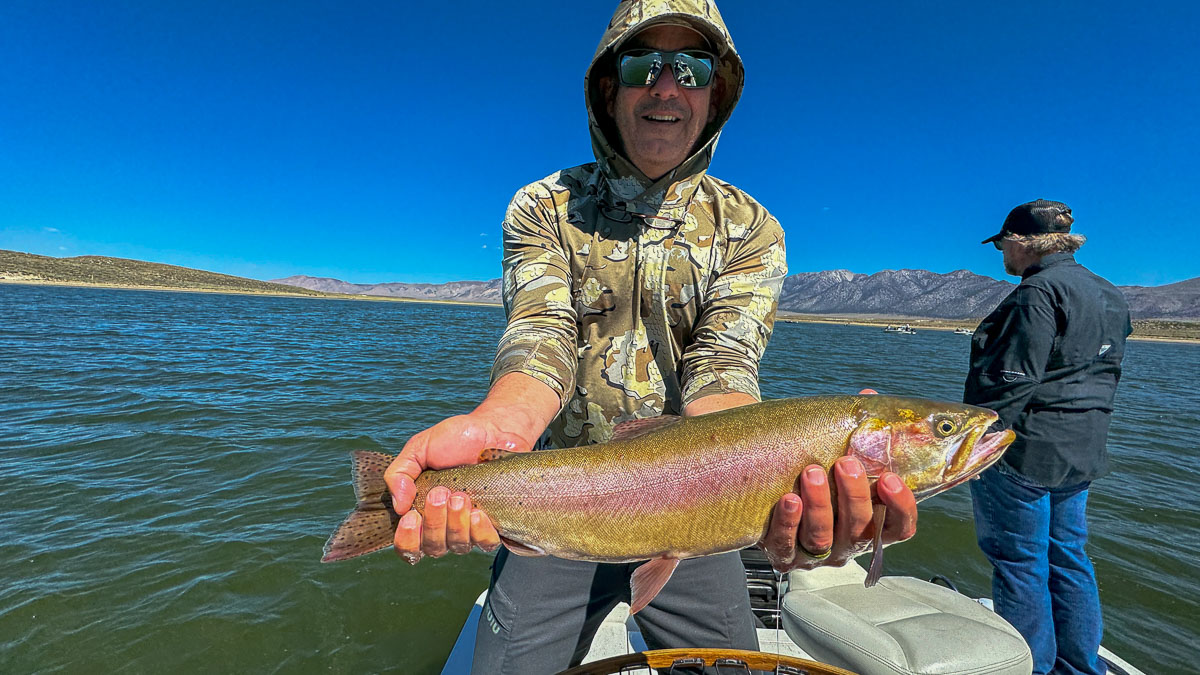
x: 1042, y: 580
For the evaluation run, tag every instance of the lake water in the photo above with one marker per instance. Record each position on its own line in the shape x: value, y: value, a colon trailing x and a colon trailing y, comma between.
x: 172, y: 463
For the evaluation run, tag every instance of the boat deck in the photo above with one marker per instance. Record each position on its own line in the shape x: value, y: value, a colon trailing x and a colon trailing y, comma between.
x: 619, y: 634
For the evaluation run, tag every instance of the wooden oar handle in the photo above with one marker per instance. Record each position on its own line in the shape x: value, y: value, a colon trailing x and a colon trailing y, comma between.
x: 664, y: 659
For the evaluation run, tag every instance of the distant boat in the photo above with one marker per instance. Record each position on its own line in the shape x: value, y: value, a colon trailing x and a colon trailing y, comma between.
x: 963, y: 331
x: 903, y: 330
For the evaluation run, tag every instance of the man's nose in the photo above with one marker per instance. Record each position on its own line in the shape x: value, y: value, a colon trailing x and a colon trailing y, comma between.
x: 665, y: 86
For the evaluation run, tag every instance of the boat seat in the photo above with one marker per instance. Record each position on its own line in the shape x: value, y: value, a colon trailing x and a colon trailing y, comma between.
x: 901, y: 625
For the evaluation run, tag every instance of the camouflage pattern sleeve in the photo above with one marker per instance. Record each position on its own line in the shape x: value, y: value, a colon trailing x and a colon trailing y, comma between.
x: 737, y: 313
x: 541, y: 333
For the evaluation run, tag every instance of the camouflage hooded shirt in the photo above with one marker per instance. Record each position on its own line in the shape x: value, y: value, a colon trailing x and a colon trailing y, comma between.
x: 631, y: 297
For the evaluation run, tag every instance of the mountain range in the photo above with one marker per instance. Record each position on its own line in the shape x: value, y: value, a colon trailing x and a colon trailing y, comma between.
x: 890, y: 293
x: 898, y: 293
x: 460, y: 291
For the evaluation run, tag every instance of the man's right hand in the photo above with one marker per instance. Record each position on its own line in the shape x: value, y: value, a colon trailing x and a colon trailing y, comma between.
x: 513, y: 416
x: 450, y: 522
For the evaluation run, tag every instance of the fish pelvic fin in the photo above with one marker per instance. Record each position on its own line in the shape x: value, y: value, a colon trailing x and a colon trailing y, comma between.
x: 371, y: 526
x: 648, y: 579
x: 518, y: 548
x: 876, y: 569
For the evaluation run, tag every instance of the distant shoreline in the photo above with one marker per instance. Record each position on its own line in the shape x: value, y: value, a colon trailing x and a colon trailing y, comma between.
x: 880, y: 321
x: 1184, y: 336
x: 1191, y: 335
x: 311, y: 295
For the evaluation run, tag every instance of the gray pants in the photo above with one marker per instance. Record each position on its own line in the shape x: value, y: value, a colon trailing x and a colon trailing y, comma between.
x: 542, y: 613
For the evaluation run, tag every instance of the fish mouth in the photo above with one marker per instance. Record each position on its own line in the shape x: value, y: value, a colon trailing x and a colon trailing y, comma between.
x: 989, y: 447
x: 984, y: 453
x: 984, y: 450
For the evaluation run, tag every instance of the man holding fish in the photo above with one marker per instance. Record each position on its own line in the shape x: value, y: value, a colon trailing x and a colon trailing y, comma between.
x: 636, y: 287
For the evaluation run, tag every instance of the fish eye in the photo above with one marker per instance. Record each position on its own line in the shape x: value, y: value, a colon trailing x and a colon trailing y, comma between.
x: 944, y: 426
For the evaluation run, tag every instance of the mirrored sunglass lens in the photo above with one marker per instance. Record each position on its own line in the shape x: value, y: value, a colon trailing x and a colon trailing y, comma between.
x: 693, y: 70
x: 640, y: 70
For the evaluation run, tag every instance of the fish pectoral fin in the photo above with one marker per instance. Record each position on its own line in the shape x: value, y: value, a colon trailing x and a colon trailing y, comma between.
x: 871, y: 444
x: 634, y: 428
x: 521, y: 549
x: 648, y: 579
x: 876, y: 570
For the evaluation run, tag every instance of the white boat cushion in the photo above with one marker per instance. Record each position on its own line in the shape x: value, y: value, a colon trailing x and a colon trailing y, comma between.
x: 901, y: 625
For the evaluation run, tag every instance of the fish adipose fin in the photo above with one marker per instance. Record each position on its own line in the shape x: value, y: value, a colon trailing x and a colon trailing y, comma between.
x: 876, y: 570
x: 634, y: 428
x: 372, y: 524
x: 648, y: 579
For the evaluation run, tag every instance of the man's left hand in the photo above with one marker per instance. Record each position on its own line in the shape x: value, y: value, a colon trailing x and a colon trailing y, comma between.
x: 804, y: 533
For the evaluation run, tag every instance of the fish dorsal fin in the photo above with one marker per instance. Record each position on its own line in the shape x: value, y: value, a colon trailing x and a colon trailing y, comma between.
x: 648, y: 579
x: 493, y: 454
x: 634, y: 428
x: 521, y: 549
x: 876, y: 570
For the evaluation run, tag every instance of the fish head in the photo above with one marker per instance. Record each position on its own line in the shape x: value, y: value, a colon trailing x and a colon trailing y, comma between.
x: 931, y: 445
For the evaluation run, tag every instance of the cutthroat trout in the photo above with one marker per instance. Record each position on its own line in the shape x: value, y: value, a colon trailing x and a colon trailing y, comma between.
x: 668, y: 488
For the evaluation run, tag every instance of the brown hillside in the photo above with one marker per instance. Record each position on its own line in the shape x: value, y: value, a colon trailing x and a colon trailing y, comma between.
x: 101, y: 271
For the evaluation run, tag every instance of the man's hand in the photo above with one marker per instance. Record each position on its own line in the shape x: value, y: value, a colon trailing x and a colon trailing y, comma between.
x: 450, y: 522
x: 515, y: 413
x: 803, y: 532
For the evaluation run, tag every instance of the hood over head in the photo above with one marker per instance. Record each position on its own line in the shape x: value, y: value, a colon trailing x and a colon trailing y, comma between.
x: 630, y: 189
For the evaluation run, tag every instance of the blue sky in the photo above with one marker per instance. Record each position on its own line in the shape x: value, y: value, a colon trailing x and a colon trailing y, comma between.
x: 378, y: 142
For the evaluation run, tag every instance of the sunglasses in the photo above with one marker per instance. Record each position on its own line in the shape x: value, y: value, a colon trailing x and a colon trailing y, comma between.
x: 693, y: 68
x: 999, y: 244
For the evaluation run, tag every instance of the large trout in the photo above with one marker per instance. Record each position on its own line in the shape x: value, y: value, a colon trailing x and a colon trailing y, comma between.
x: 668, y: 488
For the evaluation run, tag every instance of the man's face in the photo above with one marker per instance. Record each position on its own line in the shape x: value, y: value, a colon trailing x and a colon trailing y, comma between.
x: 659, y: 125
x: 1017, y: 257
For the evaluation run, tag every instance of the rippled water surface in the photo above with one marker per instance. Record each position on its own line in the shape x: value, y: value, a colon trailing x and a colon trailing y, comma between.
x: 171, y: 464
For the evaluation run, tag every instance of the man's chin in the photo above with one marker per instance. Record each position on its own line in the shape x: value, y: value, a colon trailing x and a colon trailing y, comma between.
x: 657, y: 158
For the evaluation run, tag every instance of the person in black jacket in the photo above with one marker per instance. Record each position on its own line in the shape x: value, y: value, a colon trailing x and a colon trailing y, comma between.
x: 1048, y: 360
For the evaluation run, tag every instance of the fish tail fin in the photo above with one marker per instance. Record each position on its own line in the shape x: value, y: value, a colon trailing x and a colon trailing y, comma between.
x: 372, y: 524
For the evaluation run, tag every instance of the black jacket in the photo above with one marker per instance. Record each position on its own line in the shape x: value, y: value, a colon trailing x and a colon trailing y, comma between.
x: 1048, y: 360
